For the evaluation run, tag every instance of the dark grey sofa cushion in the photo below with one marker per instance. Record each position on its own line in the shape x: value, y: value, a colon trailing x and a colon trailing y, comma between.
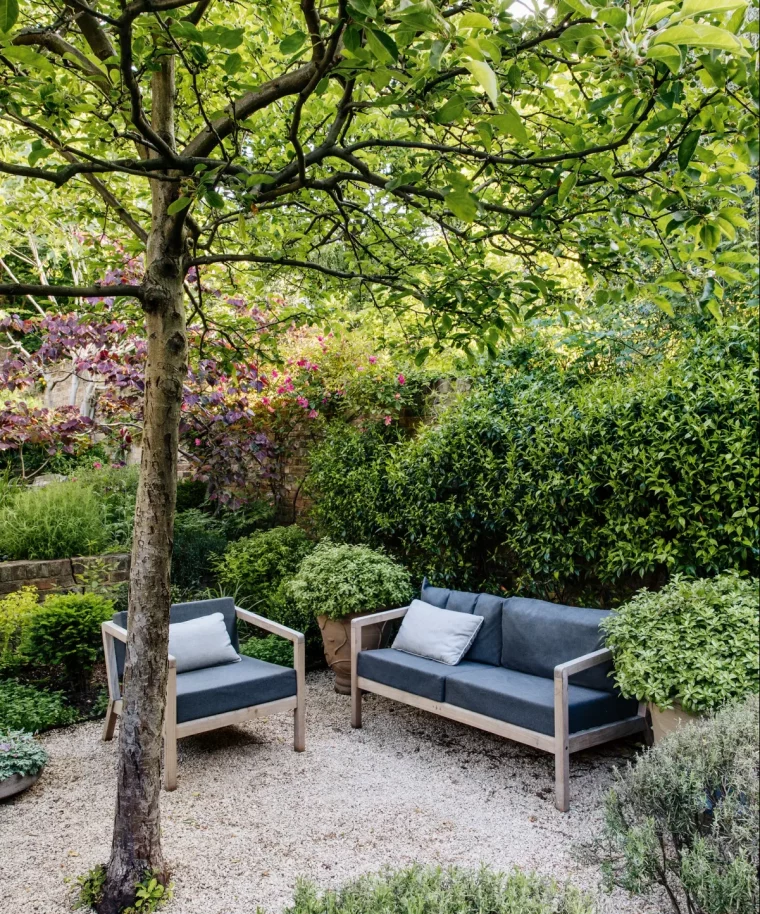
x: 183, y: 612
x: 217, y: 689
x: 435, y: 596
x: 407, y: 672
x: 487, y: 645
x: 528, y: 701
x: 537, y: 636
x: 461, y: 602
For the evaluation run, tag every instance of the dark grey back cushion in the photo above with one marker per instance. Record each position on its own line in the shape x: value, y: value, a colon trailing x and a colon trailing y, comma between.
x: 537, y: 636
x: 487, y: 645
x: 183, y: 612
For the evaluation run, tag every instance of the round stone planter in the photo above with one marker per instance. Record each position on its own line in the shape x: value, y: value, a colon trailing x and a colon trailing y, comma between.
x: 664, y: 722
x: 336, y: 639
x: 17, y: 783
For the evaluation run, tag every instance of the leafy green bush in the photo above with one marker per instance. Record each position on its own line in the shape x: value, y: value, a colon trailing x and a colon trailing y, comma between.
x: 23, y: 707
x: 273, y: 649
x: 65, y: 632
x: 198, y: 539
x: 247, y: 519
x: 20, y: 754
x: 190, y: 494
x: 563, y: 484
x: 435, y: 891
x: 16, y: 609
x: 337, y: 580
x: 695, y: 642
x: 257, y: 567
x: 56, y: 521
x: 685, y: 817
x: 116, y: 490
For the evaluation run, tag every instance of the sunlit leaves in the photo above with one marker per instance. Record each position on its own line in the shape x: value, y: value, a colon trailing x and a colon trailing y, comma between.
x: 699, y: 35
x: 687, y: 148
x: 486, y: 77
x: 510, y: 122
x: 8, y: 14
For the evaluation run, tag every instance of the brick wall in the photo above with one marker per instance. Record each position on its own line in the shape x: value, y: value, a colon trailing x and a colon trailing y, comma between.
x: 62, y: 574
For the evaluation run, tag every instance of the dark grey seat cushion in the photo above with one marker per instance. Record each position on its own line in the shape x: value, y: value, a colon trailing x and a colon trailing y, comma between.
x: 528, y: 701
x: 487, y: 645
x: 537, y: 636
x: 408, y: 672
x: 217, y: 689
x: 183, y: 612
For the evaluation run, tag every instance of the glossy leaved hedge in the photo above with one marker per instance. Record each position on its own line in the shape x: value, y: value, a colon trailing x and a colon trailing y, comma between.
x: 560, y: 484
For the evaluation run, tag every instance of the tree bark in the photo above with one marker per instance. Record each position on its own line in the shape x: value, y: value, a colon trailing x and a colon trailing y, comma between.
x: 136, y: 847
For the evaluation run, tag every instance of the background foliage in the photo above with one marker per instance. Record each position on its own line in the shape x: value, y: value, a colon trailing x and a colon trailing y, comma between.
x: 555, y: 480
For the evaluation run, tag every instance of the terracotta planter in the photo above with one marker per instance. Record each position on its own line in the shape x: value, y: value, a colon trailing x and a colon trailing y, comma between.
x: 664, y: 722
x: 9, y: 787
x: 336, y: 638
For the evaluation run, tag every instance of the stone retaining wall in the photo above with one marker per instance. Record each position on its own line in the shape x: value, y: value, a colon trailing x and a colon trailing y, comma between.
x: 63, y: 574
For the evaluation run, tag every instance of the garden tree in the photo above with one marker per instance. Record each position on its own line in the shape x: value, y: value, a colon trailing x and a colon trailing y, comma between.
x: 439, y: 157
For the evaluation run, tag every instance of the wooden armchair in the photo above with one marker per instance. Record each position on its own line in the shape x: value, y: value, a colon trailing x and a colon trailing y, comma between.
x: 218, y: 696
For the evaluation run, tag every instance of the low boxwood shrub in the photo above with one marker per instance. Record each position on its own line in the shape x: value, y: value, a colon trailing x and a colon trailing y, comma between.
x: 55, y: 521
x: 256, y: 568
x: 24, y: 707
x: 272, y: 648
x: 16, y: 610
x: 337, y: 580
x: 696, y: 642
x: 684, y: 819
x: 65, y: 632
x: 20, y: 754
x: 198, y: 539
x: 436, y: 891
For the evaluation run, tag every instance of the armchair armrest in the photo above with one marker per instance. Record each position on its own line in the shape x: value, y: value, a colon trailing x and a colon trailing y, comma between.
x: 115, y: 631
x: 375, y: 618
x: 274, y: 627
x: 595, y: 658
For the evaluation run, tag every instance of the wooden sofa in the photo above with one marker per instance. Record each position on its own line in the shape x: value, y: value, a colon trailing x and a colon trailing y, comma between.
x: 536, y: 673
x: 218, y: 696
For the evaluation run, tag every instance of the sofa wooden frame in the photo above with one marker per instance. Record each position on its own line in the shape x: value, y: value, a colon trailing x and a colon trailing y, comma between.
x: 561, y: 745
x: 173, y: 730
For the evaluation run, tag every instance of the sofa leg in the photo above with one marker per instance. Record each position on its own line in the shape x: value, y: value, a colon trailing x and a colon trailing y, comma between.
x: 109, y: 724
x: 356, y: 708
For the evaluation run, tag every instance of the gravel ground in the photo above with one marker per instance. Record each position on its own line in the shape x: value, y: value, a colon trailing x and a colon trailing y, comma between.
x: 250, y: 815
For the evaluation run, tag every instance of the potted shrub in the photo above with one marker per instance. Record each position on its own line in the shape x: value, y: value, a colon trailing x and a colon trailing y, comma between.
x: 688, y: 648
x: 337, y: 583
x: 22, y: 759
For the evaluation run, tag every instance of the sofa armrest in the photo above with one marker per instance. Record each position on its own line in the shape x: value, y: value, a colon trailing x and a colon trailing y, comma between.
x: 595, y: 658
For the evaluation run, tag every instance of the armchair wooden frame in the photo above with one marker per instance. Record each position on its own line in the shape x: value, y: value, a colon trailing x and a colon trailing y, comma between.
x: 173, y: 730
x: 561, y: 745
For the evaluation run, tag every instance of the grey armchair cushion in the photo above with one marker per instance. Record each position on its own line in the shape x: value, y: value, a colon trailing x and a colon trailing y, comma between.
x: 407, y: 672
x: 528, y: 701
x: 435, y: 596
x: 438, y: 634
x: 201, y: 642
x: 537, y: 636
x: 182, y: 612
x: 218, y: 689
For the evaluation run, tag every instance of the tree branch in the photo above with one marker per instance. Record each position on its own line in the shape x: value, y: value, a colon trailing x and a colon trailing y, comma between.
x: 10, y: 290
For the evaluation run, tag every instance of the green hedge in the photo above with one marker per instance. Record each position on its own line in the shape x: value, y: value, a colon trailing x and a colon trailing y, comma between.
x: 553, y: 483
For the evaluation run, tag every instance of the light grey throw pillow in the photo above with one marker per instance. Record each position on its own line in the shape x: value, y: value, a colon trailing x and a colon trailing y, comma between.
x: 437, y: 634
x: 201, y: 642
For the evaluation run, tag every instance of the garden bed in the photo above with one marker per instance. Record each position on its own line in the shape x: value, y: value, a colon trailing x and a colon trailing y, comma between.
x: 250, y: 815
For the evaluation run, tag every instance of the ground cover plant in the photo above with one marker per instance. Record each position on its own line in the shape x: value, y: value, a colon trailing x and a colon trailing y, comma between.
x: 701, y: 646
x: 438, y: 891
x: 26, y: 707
x: 684, y: 818
x: 20, y: 754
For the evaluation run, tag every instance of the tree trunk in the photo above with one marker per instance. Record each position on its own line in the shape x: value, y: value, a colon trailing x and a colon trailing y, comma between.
x: 136, y: 847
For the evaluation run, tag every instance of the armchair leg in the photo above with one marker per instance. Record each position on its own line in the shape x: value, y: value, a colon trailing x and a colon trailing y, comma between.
x: 356, y: 694
x: 109, y: 724
x: 299, y: 727
x: 356, y: 707
x: 170, y: 731
x: 562, y: 779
